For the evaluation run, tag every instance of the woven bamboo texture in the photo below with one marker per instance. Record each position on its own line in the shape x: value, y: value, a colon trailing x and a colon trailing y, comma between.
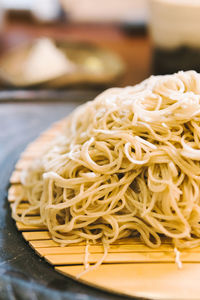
x: 130, y: 268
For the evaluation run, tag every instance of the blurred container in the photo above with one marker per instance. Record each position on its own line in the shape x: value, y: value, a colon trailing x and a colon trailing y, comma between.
x: 175, y: 32
x: 46, y: 10
x: 44, y: 62
x: 98, y: 11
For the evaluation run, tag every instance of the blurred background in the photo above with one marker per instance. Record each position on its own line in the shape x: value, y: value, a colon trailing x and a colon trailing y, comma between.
x: 73, y: 44
x: 58, y: 45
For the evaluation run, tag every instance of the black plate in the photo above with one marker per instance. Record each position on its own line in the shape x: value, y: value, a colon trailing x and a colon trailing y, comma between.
x: 23, y: 275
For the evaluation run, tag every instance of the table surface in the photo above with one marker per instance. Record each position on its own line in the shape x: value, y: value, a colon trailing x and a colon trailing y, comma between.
x: 23, y: 275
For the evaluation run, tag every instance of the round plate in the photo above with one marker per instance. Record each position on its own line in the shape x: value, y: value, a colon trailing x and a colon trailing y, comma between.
x: 130, y: 268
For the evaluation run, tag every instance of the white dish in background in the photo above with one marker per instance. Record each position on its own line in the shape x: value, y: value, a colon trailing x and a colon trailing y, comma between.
x: 84, y: 64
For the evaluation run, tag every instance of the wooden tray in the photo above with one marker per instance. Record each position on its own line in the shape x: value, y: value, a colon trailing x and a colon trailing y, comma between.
x: 131, y: 268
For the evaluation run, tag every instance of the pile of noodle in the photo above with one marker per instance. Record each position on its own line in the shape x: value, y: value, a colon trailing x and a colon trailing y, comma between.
x: 127, y: 164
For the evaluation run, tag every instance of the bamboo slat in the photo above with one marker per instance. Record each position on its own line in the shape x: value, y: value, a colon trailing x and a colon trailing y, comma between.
x: 23, y: 227
x: 153, y: 281
x: 50, y: 243
x: 55, y: 249
x: 38, y: 147
x: 43, y: 251
x: 14, y: 192
x: 43, y: 244
x: 130, y: 267
x: 23, y: 164
x: 15, y: 177
x: 25, y: 206
x: 30, y: 155
x: 36, y: 235
x: 133, y: 257
x: 52, y: 133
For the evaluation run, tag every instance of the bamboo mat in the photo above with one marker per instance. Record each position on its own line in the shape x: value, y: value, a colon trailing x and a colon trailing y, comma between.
x: 130, y: 268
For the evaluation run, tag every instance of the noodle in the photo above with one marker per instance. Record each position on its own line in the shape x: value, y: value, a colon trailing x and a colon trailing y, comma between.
x: 127, y: 163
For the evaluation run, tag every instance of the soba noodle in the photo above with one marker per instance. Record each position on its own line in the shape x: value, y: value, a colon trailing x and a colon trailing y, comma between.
x: 127, y: 164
